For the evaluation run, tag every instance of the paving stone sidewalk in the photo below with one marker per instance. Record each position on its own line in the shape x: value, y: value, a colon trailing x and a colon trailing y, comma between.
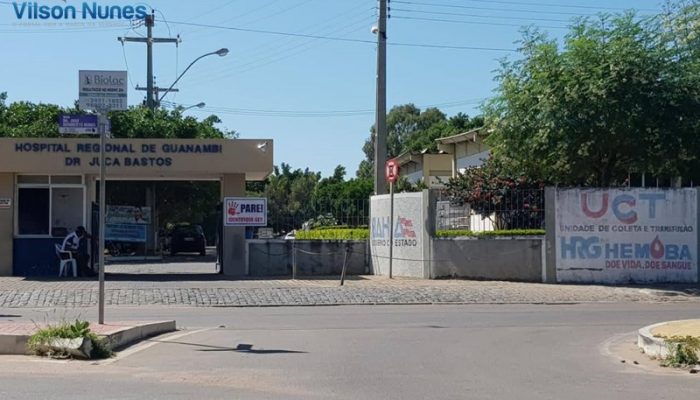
x: 215, y: 291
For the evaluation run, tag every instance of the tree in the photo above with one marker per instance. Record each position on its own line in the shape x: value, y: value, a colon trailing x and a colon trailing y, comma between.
x: 622, y: 95
x: 25, y: 119
x: 409, y: 128
x: 509, y: 201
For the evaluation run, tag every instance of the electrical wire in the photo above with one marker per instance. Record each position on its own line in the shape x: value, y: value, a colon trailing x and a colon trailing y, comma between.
x: 340, y: 39
x: 412, y: 3
x: 288, y: 52
x: 315, y: 113
x: 518, y: 3
x: 274, y: 50
x: 472, y: 22
x: 268, y: 32
x: 479, y: 16
x: 126, y: 65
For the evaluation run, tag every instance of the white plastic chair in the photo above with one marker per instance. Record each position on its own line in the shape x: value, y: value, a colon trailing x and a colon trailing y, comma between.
x: 66, y: 257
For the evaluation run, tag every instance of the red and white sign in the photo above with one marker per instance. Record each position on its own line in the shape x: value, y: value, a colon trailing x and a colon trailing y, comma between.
x: 5, y: 202
x: 245, y: 211
x: 392, y: 171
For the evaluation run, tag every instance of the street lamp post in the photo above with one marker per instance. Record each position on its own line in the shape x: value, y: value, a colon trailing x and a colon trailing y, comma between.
x: 221, y: 52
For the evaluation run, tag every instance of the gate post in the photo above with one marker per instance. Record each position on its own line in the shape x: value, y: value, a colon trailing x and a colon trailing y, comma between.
x: 550, y: 239
x: 233, y: 240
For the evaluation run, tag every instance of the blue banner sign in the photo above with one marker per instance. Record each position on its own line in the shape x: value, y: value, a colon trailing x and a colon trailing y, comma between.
x: 125, y: 233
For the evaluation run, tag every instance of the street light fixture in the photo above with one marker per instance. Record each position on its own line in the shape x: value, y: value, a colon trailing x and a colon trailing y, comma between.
x: 221, y: 52
x: 198, y: 105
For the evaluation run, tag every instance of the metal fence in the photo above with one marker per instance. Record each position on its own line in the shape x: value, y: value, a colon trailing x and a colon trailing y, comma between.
x: 508, y: 209
x: 327, y: 212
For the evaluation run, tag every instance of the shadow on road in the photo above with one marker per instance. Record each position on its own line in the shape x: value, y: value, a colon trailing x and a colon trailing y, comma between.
x: 241, y: 348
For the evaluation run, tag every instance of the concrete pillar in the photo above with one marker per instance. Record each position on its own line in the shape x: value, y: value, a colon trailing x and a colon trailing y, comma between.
x: 151, y: 229
x: 550, y: 221
x: 234, y: 262
x: 7, y: 224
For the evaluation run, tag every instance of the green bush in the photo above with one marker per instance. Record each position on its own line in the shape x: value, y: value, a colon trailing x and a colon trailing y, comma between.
x: 79, y: 329
x: 325, y: 228
x: 514, y: 232
x: 683, y: 351
x: 334, y: 234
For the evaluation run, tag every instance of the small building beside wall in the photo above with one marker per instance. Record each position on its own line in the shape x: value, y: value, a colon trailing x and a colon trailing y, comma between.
x: 48, y: 186
x: 432, y: 169
x: 466, y: 149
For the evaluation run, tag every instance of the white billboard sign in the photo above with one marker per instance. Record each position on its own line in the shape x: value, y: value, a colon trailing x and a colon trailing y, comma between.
x: 621, y: 236
x: 102, y: 90
x: 245, y: 211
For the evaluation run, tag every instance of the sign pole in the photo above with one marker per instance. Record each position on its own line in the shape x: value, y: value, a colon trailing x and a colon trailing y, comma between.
x: 391, y: 230
x: 103, y: 206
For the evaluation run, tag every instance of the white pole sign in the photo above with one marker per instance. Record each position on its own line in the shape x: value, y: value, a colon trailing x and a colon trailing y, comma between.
x: 245, y: 211
x: 103, y: 90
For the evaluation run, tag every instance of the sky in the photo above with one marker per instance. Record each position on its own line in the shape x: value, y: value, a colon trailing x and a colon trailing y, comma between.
x: 301, y: 72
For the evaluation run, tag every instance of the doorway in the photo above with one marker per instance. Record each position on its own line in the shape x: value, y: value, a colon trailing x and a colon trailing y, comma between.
x: 161, y: 229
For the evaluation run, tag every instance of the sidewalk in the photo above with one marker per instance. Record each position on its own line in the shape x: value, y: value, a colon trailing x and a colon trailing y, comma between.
x: 217, y: 290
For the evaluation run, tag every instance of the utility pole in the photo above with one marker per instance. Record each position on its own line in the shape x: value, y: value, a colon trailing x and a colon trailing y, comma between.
x: 151, y: 90
x: 380, y: 125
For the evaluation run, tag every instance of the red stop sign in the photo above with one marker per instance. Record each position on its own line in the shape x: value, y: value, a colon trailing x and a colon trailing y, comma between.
x: 392, y: 171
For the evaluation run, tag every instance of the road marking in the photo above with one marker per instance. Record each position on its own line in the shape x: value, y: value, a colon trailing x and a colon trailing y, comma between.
x: 147, y: 344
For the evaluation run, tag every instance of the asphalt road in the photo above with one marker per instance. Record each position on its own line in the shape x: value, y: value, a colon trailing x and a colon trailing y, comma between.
x: 365, y: 352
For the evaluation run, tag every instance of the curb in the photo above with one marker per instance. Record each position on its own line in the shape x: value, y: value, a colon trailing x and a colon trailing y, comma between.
x: 129, y: 335
x: 652, y: 346
x: 17, y: 344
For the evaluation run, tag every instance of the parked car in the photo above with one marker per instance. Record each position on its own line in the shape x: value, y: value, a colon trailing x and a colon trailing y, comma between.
x: 187, y: 239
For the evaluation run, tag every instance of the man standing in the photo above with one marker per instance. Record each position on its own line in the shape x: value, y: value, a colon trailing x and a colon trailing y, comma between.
x: 77, y: 244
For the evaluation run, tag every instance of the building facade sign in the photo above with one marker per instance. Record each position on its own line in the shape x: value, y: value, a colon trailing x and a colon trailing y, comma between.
x: 180, y: 158
x: 621, y: 236
x: 245, y: 211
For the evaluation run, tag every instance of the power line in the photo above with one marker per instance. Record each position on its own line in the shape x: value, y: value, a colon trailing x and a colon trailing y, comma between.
x: 286, y: 53
x: 442, y: 46
x: 471, y: 22
x: 315, y: 113
x: 249, y: 30
x: 480, y: 16
x: 491, y: 8
x: 424, y: 45
x: 274, y: 50
x: 518, y: 3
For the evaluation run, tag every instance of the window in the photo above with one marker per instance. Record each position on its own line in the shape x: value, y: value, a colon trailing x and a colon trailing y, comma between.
x: 66, y: 208
x: 33, y: 211
x: 32, y: 179
x: 49, y: 205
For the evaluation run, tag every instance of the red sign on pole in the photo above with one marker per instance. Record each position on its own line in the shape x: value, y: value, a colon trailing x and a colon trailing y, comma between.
x: 392, y: 171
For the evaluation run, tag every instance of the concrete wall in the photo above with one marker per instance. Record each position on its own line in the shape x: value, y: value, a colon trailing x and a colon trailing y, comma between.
x: 234, y: 262
x: 7, y: 190
x: 313, y: 257
x: 516, y: 259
